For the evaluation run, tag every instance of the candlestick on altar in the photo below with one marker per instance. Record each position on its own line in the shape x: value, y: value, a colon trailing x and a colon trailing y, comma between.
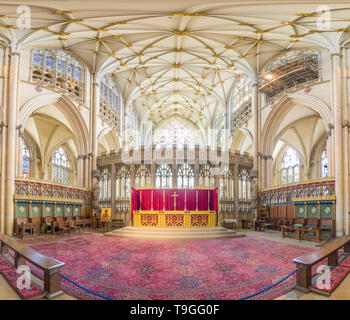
x: 196, y: 200
x: 185, y: 200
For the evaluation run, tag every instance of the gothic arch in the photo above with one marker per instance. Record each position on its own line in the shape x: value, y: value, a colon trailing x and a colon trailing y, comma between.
x: 280, y: 111
x: 69, y: 110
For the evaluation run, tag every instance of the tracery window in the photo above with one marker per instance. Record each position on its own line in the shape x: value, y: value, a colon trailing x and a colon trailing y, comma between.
x: 290, y: 171
x: 175, y: 133
x: 324, y: 161
x: 26, y: 158
x: 243, y: 185
x: 60, y: 167
x: 164, y: 176
x: 105, y: 185
x: 58, y: 70
x: 227, y: 185
x: 185, y: 176
x: 110, y: 102
x: 143, y: 176
x: 123, y: 183
x: 206, y: 178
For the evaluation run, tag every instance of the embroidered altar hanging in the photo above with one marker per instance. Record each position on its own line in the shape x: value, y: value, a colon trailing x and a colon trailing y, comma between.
x: 174, y: 199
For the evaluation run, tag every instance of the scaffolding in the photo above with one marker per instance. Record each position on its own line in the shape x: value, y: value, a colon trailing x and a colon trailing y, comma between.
x: 289, y: 72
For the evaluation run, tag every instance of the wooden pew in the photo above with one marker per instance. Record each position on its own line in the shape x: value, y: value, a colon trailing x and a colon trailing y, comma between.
x: 51, y: 267
x: 305, y: 262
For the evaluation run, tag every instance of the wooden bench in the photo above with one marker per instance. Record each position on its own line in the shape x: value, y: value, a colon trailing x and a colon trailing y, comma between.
x: 51, y: 267
x: 305, y: 262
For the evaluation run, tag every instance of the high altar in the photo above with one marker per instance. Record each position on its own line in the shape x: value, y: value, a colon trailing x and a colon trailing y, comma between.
x: 174, y: 207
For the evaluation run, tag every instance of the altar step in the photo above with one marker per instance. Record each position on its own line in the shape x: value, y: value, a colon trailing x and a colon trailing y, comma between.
x: 174, y: 233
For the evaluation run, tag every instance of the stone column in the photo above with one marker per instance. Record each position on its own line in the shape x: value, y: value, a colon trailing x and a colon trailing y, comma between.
x: 255, y: 112
x: 94, y: 142
x: 113, y: 190
x: 269, y: 171
x: 86, y: 171
x: 235, y: 191
x: 11, y: 141
x: 19, y: 155
x: 256, y: 137
x: 80, y: 170
x: 329, y: 152
x: 346, y: 177
x: 2, y: 175
x: 338, y: 142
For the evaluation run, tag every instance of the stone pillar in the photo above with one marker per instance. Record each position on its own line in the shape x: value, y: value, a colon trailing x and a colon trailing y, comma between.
x: 94, y: 143
x: 255, y: 112
x: 235, y: 191
x: 113, y: 190
x: 132, y: 175
x: 346, y: 177
x: 80, y: 170
x: 329, y: 152
x: 338, y: 142
x: 269, y: 171
x: 2, y: 175
x: 19, y: 155
x: 85, y: 171
x: 11, y: 141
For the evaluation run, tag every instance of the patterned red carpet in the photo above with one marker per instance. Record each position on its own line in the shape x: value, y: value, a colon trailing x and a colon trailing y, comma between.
x: 198, y: 269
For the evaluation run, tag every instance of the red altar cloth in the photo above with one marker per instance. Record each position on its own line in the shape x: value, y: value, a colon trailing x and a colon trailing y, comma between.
x: 163, y: 199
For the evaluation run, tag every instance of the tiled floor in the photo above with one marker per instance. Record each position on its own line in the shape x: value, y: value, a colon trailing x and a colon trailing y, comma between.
x: 341, y: 293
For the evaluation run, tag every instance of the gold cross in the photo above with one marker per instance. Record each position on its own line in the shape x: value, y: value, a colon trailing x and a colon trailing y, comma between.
x: 174, y: 195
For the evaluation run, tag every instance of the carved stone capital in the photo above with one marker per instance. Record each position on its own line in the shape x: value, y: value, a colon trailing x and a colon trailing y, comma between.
x: 95, y: 174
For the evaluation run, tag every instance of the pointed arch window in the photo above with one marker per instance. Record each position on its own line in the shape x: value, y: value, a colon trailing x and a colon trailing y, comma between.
x: 26, y: 159
x: 290, y: 170
x: 105, y: 185
x: 123, y: 183
x: 60, y: 167
x: 324, y: 162
x: 206, y: 178
x: 243, y: 185
x: 164, y: 176
x: 175, y: 133
x: 185, y: 176
x: 143, y: 176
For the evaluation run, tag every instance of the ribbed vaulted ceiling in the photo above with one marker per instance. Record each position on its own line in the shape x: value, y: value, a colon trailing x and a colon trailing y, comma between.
x: 175, y: 57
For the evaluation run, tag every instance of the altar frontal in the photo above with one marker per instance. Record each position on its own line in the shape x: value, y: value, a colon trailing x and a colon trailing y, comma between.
x: 174, y: 207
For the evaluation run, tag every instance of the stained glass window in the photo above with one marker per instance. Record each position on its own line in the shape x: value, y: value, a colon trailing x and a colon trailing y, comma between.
x: 60, y: 167
x: 290, y: 171
x: 164, y: 176
x: 324, y: 161
x: 49, y: 62
x: 38, y: 59
x: 70, y: 69
x: 60, y: 65
x: 25, y: 160
x: 59, y: 68
x: 185, y: 177
x: 175, y: 133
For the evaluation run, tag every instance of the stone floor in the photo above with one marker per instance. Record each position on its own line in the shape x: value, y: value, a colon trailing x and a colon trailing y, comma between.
x: 341, y: 293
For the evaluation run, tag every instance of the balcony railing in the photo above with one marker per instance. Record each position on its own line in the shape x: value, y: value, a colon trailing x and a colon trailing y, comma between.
x: 29, y: 189
x: 315, y: 190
